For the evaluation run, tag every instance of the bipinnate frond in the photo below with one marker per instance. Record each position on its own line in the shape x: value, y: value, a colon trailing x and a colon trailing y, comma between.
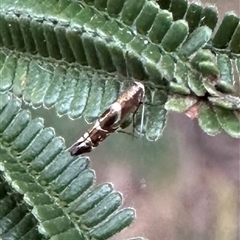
x: 76, y: 56
x: 170, y: 48
x: 45, y: 188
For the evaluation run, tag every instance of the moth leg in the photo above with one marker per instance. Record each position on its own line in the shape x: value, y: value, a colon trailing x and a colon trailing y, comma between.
x: 126, y: 123
x: 142, y: 117
x: 128, y: 133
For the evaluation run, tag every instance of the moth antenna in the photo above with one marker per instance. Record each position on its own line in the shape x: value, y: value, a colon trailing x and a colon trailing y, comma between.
x: 142, y: 117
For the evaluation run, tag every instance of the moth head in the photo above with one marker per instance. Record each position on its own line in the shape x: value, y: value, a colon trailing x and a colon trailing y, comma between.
x: 83, y: 145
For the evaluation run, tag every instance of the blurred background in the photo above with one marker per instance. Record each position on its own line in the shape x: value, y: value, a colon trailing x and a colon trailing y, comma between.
x: 184, y: 186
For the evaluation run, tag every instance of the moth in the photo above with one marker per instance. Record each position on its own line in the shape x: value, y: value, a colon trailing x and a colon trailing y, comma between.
x: 110, y: 121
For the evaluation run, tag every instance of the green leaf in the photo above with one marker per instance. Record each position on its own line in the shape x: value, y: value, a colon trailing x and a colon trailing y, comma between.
x: 51, y: 183
x: 160, y: 26
x: 75, y: 56
x: 196, y: 40
x: 179, y: 103
x: 226, y: 82
x: 229, y: 121
x: 209, y: 16
x: 225, y: 30
x: 175, y: 36
x: 208, y: 121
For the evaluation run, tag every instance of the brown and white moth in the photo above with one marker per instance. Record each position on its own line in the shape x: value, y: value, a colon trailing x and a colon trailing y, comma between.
x: 128, y: 102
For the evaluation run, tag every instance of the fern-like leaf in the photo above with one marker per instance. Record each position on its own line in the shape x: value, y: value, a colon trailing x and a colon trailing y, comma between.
x: 169, y: 50
x: 56, y: 190
x: 74, y: 56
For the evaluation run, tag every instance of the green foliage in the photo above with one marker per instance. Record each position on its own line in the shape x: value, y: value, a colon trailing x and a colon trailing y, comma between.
x: 74, y: 56
x: 169, y: 50
x: 57, y: 188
